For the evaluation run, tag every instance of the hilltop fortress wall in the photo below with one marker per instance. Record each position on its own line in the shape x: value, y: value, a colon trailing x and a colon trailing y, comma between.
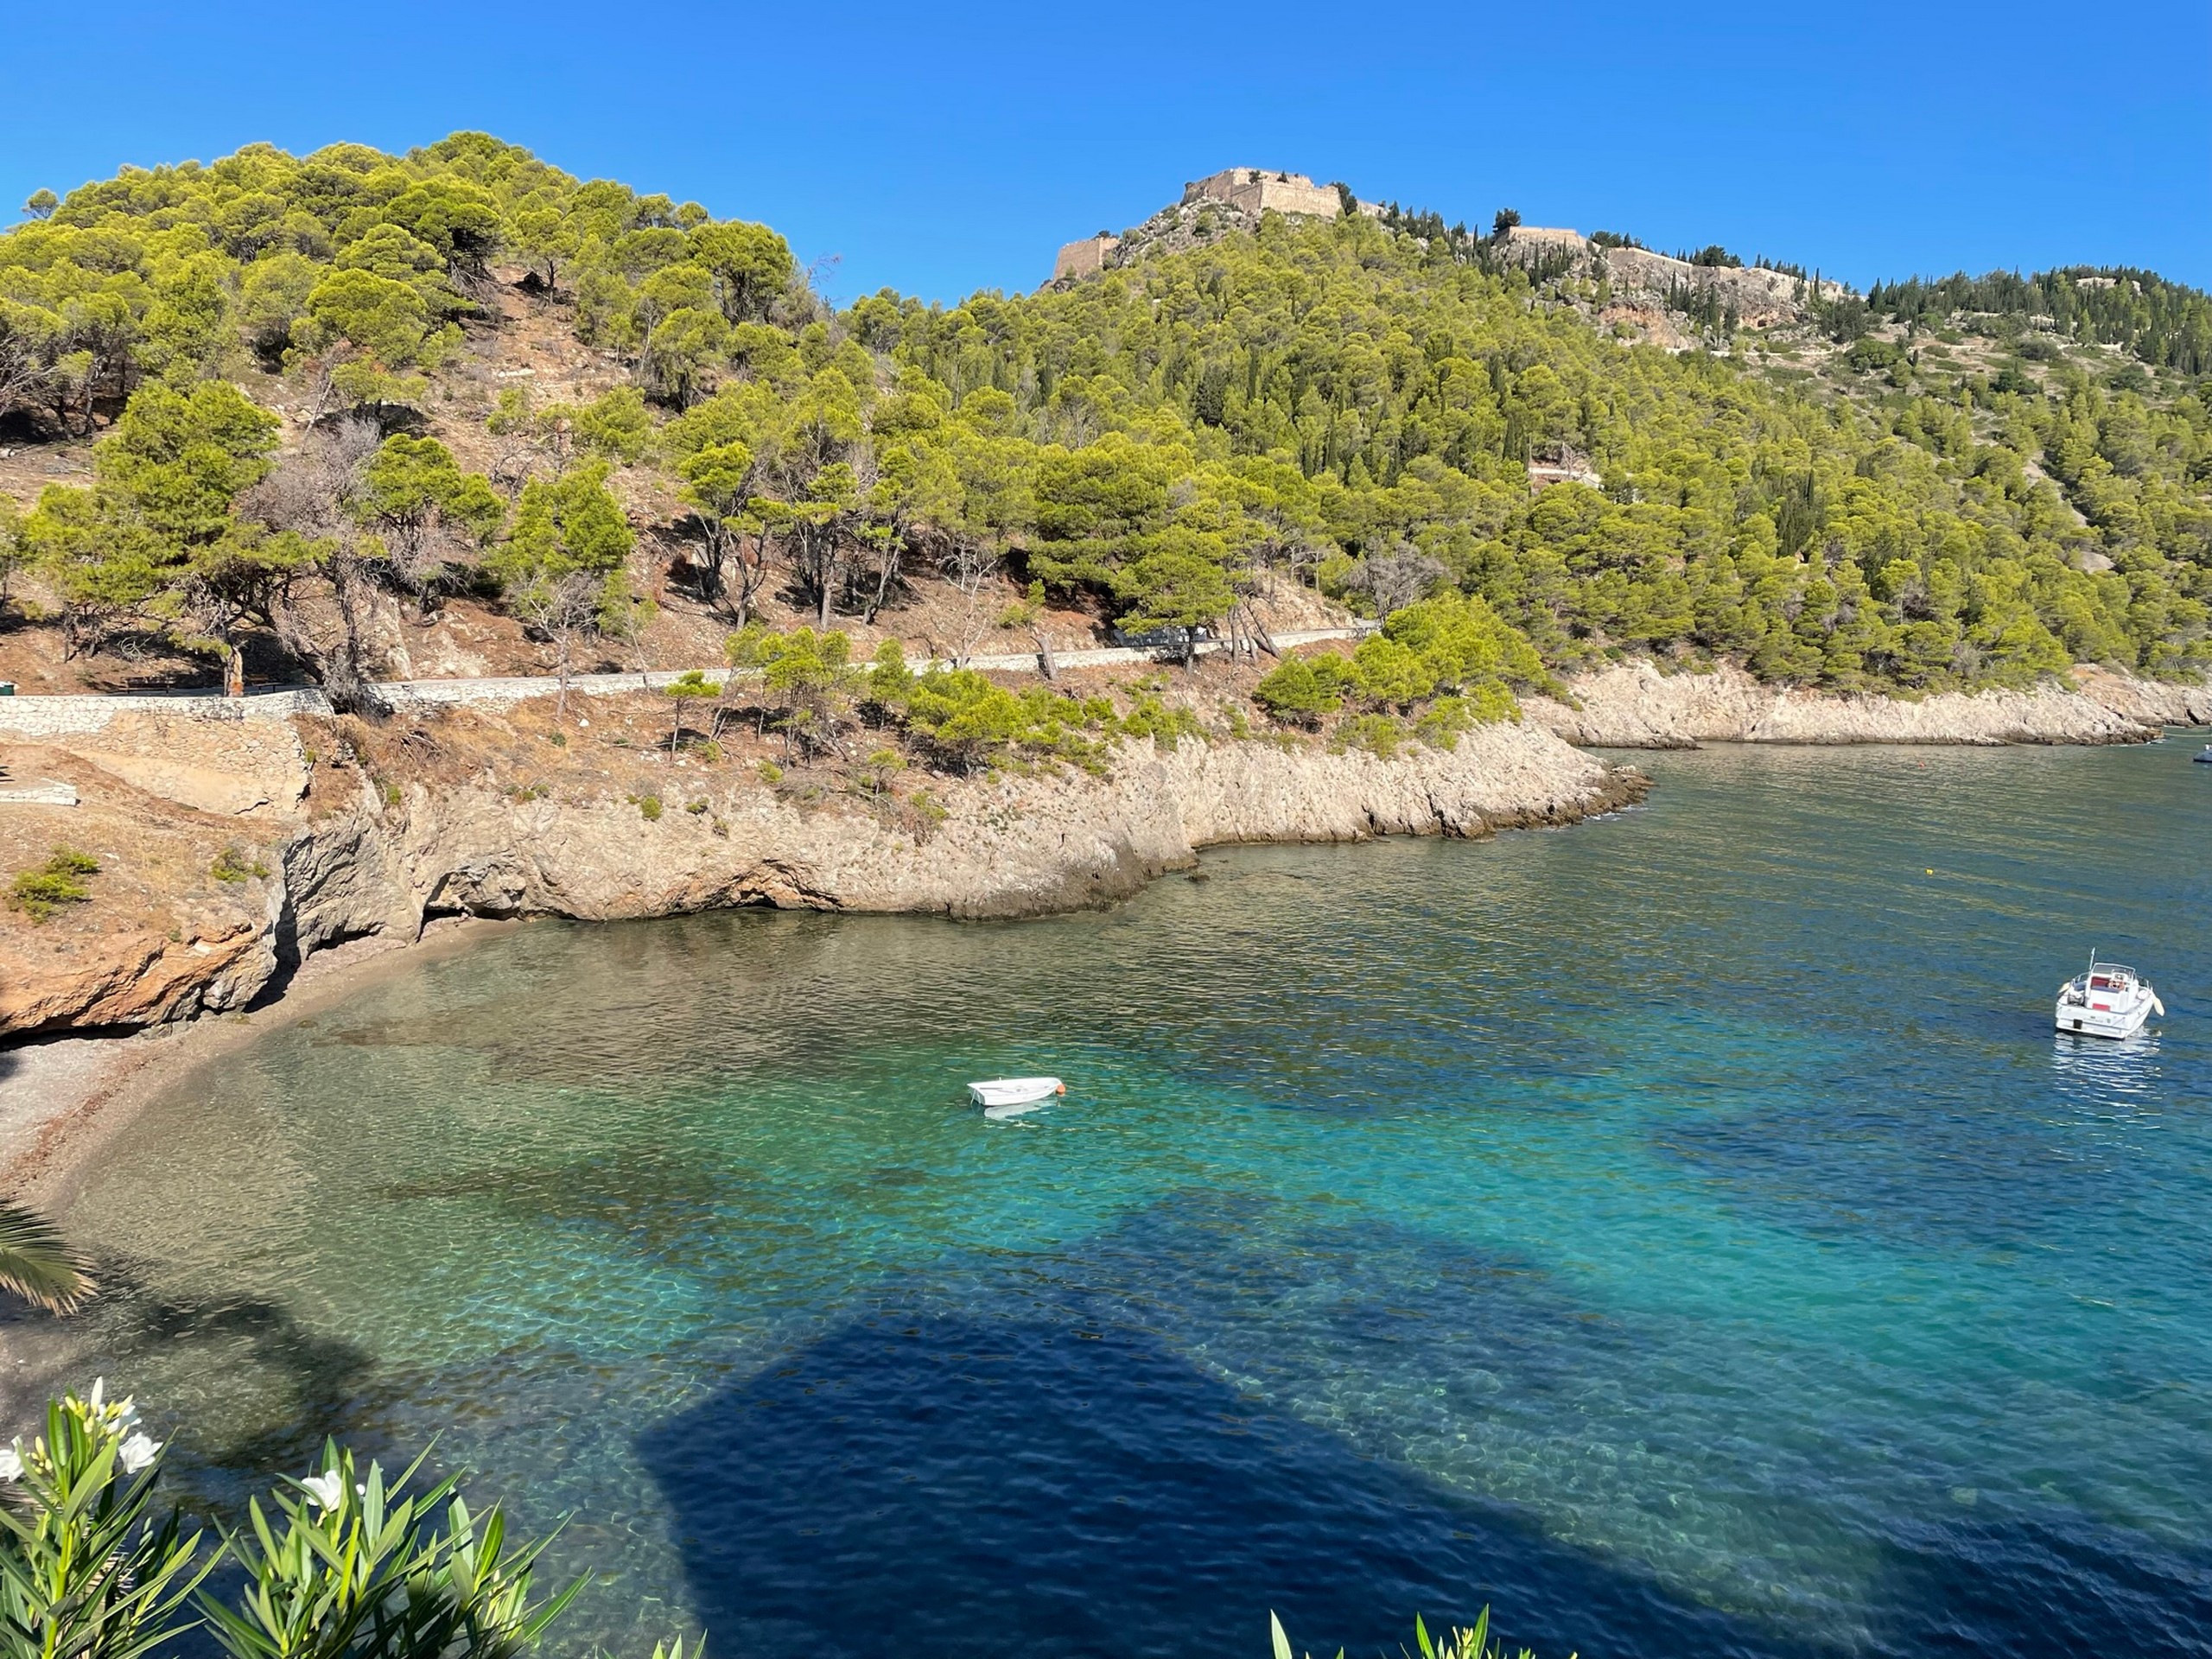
x: 1257, y: 190
x: 1647, y: 287
x: 1084, y: 259
x: 1250, y: 190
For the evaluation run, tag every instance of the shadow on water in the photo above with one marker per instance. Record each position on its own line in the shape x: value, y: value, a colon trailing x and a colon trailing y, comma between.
x: 1694, y: 1318
x: 316, y: 1386
x: 953, y: 1521
x: 2038, y: 1586
x: 324, y: 1379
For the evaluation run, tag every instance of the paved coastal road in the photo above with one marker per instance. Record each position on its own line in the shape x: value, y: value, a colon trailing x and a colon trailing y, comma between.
x: 32, y: 717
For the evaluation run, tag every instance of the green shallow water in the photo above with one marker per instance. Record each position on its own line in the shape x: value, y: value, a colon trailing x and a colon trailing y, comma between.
x: 1683, y: 1231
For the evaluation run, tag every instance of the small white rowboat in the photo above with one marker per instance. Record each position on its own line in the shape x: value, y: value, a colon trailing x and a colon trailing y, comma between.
x: 1014, y: 1091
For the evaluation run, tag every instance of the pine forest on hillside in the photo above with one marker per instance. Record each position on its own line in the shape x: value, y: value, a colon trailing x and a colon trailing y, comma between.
x: 1974, y: 482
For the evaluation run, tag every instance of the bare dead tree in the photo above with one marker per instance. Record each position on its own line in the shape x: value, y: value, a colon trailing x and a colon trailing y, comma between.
x: 801, y: 300
x: 22, y: 371
x: 1248, y: 635
x: 969, y: 564
x: 561, y: 608
x: 747, y: 572
x: 312, y: 494
x: 1395, y: 579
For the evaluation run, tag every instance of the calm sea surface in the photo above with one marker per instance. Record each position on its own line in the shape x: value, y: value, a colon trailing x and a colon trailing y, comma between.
x: 1684, y: 1232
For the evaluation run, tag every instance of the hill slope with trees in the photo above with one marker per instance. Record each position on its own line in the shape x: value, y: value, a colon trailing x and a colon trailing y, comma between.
x: 272, y: 374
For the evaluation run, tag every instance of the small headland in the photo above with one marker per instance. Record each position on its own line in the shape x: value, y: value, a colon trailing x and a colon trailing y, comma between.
x: 234, y: 850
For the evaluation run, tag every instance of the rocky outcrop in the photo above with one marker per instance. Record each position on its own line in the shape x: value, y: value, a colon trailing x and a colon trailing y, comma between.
x: 1640, y: 278
x: 1636, y: 705
x: 2149, y: 702
x: 143, y: 979
x: 181, y: 915
x: 1006, y: 846
x: 200, y: 908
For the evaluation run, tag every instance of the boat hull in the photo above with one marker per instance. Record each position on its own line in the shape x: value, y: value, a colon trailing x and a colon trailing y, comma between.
x: 1015, y: 1091
x: 2119, y: 1022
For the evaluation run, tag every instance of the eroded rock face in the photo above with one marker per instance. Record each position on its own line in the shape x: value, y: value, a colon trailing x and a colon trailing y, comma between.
x: 1636, y: 706
x: 182, y: 905
x: 2153, y: 703
x: 1008, y: 846
x: 144, y: 981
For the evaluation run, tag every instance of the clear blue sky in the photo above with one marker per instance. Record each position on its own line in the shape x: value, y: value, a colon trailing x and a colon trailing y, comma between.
x: 944, y: 149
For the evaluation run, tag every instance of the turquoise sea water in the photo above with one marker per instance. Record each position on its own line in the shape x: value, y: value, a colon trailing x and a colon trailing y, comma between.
x: 1683, y: 1231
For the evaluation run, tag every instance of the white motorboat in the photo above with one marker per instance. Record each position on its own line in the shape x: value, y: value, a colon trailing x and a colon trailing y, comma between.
x: 1015, y: 1091
x: 2109, y: 1000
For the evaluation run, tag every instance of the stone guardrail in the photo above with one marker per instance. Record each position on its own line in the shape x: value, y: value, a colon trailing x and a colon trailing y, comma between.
x: 35, y: 718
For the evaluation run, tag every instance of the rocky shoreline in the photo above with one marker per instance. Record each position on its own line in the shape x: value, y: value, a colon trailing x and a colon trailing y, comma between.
x: 1638, y: 706
x: 343, y: 857
x: 1007, y: 845
x: 343, y: 893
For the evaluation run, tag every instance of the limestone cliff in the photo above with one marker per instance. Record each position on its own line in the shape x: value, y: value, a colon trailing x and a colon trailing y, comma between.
x: 1010, y: 845
x: 1636, y: 705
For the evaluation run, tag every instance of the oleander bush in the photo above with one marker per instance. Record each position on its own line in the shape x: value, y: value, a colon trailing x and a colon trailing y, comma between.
x: 343, y: 1563
x: 1466, y: 1642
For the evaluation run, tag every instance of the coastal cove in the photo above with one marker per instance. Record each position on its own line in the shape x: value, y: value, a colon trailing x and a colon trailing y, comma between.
x: 1681, y: 1232
x: 1360, y: 928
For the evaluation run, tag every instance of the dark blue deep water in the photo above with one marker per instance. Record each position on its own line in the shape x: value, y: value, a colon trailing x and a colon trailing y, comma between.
x: 1683, y: 1232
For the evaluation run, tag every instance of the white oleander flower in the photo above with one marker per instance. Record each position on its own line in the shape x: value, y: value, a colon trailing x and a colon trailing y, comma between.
x: 136, y: 1453
x: 326, y: 1489
x: 11, y: 1464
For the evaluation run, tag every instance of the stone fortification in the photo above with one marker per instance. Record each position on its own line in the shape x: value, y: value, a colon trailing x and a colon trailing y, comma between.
x: 1084, y: 259
x: 1229, y: 200
x: 1542, y: 236
x: 1257, y: 190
